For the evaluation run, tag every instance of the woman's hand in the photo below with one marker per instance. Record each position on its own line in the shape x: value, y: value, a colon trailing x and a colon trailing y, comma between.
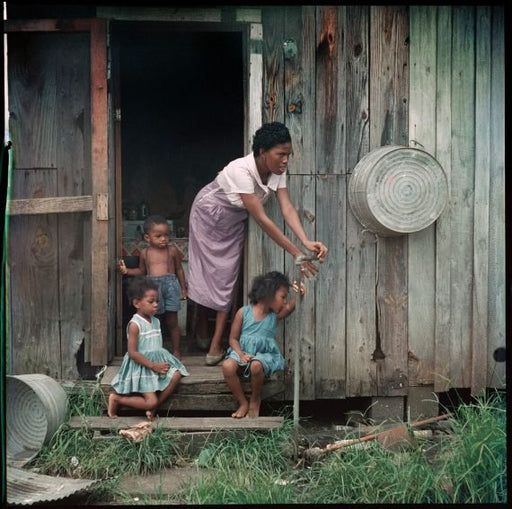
x: 317, y: 247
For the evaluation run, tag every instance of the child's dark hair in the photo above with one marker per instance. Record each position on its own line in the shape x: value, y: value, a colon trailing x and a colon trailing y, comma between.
x: 151, y: 221
x: 265, y: 287
x: 270, y: 135
x: 138, y: 286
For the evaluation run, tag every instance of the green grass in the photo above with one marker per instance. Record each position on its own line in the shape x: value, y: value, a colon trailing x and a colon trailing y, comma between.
x: 466, y: 466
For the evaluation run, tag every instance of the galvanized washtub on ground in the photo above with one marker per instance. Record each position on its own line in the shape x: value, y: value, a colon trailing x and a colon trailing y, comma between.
x: 36, y: 406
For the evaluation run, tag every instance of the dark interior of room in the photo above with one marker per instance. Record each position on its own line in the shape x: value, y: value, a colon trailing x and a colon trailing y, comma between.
x: 182, y: 108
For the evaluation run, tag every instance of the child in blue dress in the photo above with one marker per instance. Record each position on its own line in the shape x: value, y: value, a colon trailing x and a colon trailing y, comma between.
x: 149, y: 373
x: 253, y: 348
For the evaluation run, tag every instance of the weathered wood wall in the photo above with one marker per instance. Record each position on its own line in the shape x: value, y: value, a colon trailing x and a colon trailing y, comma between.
x: 426, y: 309
x: 49, y: 258
x: 457, y: 266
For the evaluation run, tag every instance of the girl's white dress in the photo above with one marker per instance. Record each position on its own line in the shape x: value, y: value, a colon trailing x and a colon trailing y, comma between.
x: 133, y: 377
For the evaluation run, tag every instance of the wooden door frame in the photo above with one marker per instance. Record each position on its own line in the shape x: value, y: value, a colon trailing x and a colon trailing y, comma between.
x: 97, y: 203
x: 247, y: 21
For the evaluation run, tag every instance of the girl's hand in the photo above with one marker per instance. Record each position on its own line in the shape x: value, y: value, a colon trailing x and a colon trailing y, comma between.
x: 183, y: 294
x: 317, y: 247
x: 161, y: 367
x: 245, y: 357
x: 122, y: 267
x: 295, y: 287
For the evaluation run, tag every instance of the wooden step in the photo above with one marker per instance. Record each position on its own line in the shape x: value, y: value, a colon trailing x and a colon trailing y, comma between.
x: 204, y: 389
x: 182, y: 424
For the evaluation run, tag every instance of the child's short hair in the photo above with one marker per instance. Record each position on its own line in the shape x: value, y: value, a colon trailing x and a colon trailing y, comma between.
x: 138, y: 286
x: 152, y: 220
x: 264, y: 287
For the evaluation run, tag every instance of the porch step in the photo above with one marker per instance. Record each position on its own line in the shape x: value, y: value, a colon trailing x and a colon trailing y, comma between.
x: 204, y: 389
x: 182, y: 424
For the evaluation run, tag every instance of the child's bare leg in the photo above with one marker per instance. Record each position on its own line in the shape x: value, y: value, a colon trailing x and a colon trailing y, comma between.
x: 175, y: 380
x: 230, y: 369
x: 146, y: 401
x: 171, y: 319
x: 257, y: 379
x: 112, y: 405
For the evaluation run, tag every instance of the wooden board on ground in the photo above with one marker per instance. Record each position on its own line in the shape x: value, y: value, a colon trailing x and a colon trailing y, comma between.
x: 183, y: 424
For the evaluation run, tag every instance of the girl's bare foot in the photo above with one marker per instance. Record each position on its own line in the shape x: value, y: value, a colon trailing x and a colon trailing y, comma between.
x: 112, y: 405
x: 150, y: 415
x: 254, y: 409
x: 241, y: 412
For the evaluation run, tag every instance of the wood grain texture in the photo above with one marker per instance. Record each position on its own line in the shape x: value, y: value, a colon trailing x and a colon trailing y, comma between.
x: 99, y: 161
x: 421, y: 245
x: 462, y: 193
x: 330, y: 90
x: 480, y: 297
x: 389, y: 81
x: 331, y: 289
x: 496, y: 372
x: 443, y: 226
x: 360, y: 245
x: 300, y: 326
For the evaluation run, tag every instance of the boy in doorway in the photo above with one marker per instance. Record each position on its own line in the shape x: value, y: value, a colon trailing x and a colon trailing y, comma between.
x: 162, y: 264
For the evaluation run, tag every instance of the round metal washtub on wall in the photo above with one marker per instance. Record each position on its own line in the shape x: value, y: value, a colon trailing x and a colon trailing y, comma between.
x: 395, y: 190
x: 36, y: 406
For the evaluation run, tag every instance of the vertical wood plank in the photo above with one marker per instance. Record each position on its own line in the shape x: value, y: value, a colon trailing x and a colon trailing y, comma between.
x: 99, y: 150
x: 330, y: 287
x: 330, y: 91
x: 497, y: 265
x: 388, y: 125
x: 443, y: 226
x: 330, y: 348
x: 479, y: 329
x: 33, y: 241
x: 299, y: 92
x: 462, y: 189
x: 299, y: 28
x: 302, y: 189
x: 356, y: 76
x: 73, y: 158
x: 33, y: 269
x: 421, y: 245
x: 360, y: 257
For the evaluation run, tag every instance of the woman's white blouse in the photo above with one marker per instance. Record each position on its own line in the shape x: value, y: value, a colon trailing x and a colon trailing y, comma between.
x: 241, y: 176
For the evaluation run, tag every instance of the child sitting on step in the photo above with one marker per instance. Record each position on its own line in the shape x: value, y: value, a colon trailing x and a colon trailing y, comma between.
x: 149, y: 373
x: 254, y: 351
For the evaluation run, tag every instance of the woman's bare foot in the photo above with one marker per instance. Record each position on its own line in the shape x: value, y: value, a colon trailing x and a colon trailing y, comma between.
x: 112, y: 405
x: 241, y: 412
x: 254, y: 409
x: 150, y: 415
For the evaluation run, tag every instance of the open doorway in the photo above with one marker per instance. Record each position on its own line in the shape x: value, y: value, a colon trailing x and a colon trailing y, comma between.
x: 179, y: 107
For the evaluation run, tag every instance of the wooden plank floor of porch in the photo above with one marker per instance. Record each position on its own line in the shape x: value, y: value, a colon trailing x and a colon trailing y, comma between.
x: 202, y: 393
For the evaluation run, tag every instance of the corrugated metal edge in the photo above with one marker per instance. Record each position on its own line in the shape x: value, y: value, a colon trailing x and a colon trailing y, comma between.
x: 27, y: 488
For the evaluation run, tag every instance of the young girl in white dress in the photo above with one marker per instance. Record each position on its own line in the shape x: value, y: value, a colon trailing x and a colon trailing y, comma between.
x: 149, y: 373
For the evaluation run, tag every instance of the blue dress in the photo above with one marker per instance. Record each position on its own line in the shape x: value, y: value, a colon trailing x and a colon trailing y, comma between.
x: 133, y: 377
x: 258, y: 338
